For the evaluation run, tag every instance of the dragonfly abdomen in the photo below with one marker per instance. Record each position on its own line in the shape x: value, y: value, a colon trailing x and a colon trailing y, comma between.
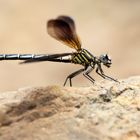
x: 20, y: 56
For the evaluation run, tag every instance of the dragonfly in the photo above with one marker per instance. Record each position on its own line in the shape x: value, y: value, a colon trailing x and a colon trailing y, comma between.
x: 63, y: 29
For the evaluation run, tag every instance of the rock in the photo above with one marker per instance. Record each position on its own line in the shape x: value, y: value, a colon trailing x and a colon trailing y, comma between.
x: 104, y: 111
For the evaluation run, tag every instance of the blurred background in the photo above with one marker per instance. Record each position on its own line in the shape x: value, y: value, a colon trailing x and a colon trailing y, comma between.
x: 104, y: 26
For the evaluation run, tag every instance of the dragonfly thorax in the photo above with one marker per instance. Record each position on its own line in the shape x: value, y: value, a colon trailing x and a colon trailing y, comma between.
x: 83, y: 57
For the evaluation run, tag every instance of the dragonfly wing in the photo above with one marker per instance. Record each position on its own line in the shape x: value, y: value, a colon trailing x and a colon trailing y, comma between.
x: 69, y: 21
x: 63, y: 29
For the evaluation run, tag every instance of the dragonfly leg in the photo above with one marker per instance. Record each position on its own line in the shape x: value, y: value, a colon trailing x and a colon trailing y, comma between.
x: 86, y: 74
x: 73, y: 75
x: 101, y: 73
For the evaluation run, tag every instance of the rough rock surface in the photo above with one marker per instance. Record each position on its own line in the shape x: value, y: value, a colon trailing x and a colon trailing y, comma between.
x: 104, y: 111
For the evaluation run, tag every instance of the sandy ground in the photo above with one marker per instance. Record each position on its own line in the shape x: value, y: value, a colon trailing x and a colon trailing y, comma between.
x: 111, y: 26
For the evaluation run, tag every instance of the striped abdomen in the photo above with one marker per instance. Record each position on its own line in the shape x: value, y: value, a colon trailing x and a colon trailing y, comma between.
x: 83, y: 57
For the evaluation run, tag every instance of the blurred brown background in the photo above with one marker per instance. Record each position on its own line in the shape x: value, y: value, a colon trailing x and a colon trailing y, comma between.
x: 104, y: 26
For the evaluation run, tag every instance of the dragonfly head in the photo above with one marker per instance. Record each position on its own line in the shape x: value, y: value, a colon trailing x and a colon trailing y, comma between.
x: 105, y: 60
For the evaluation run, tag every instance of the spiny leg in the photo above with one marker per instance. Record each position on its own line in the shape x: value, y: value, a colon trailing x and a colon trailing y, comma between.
x: 101, y: 73
x: 86, y: 74
x: 73, y: 75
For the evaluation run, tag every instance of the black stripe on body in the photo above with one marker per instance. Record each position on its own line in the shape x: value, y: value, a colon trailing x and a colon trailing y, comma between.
x: 88, y: 54
x: 84, y: 58
x: 76, y: 59
x: 81, y: 58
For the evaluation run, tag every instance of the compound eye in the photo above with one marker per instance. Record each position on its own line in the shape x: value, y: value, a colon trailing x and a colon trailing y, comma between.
x: 104, y: 58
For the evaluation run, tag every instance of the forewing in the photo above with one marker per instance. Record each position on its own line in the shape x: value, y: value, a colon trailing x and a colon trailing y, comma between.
x: 63, y: 29
x: 69, y: 21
